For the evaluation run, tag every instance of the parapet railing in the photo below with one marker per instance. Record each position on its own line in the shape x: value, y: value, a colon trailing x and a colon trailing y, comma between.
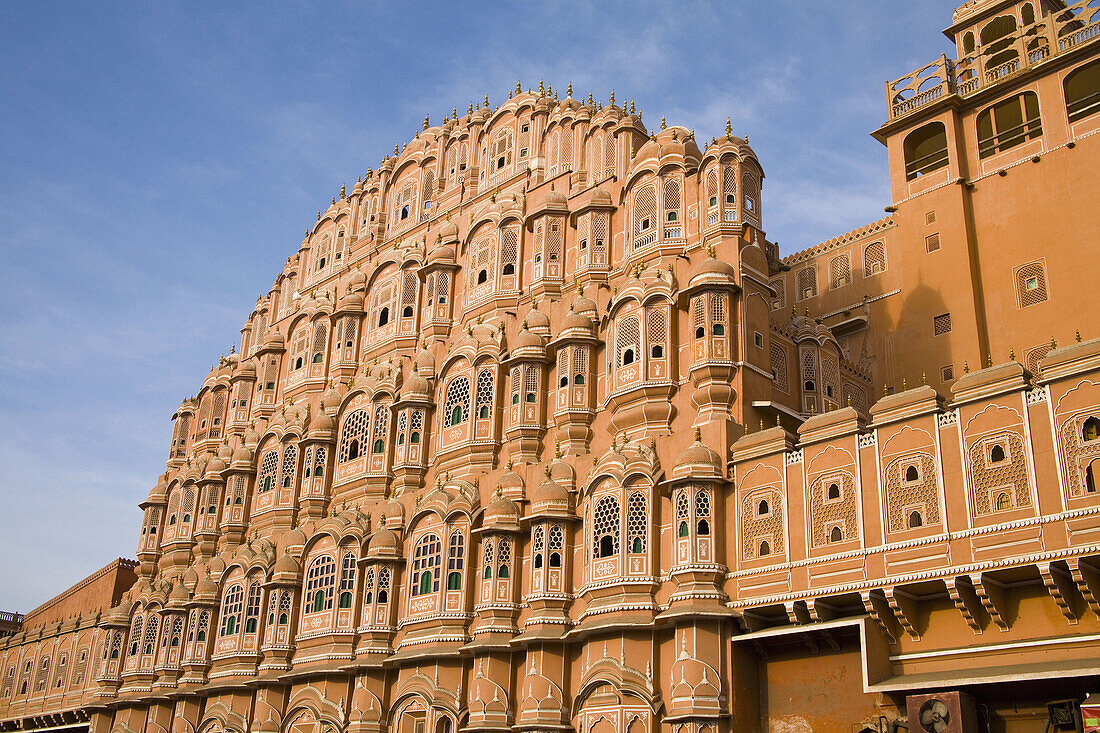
x: 1057, y: 33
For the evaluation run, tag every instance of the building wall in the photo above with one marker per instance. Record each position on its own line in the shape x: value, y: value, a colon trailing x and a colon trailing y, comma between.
x: 536, y: 431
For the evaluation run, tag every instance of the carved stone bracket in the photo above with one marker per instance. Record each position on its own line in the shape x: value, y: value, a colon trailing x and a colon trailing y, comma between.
x: 1087, y: 578
x: 966, y: 600
x: 906, y: 610
x: 1062, y: 589
x: 992, y: 595
x: 874, y: 601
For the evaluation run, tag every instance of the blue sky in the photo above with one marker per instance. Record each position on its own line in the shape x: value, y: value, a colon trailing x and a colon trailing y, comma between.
x: 160, y: 161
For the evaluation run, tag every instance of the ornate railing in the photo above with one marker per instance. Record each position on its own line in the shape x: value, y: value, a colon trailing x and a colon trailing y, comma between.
x: 1058, y: 32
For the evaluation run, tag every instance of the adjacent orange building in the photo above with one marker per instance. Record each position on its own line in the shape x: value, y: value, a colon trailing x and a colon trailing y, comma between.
x: 536, y: 431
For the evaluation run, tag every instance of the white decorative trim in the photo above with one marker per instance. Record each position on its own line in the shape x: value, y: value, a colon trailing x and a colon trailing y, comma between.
x: 893, y: 580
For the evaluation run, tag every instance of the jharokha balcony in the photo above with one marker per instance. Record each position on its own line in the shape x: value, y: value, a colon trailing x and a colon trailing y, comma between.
x: 1001, y: 51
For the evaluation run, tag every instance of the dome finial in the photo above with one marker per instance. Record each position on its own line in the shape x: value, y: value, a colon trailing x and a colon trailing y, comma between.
x: 698, y: 434
x: 612, y: 103
x: 663, y: 125
x: 729, y: 127
x: 425, y: 122
x: 632, y: 106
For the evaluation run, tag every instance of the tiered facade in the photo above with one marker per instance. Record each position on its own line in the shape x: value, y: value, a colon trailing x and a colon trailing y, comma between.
x: 527, y: 436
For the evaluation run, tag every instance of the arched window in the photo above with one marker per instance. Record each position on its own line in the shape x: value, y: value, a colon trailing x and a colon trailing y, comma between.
x: 671, y: 195
x: 605, y: 528
x: 232, y: 605
x: 911, y: 474
x: 487, y: 559
x: 320, y: 584
x: 925, y: 150
x: 627, y: 339
x: 637, y: 522
x: 455, y: 558
x: 384, y: 316
x: 135, y: 635
x: 765, y: 548
x: 458, y: 401
x: 645, y: 209
x: 834, y: 491
x: 368, y: 586
x: 1082, y: 89
x: 1090, y: 430
x: 1004, y: 501
x: 702, y: 513
x: 556, y: 540
x: 996, y: 454
x: 538, y: 544
x: 290, y: 458
x: 347, y: 579
x: 356, y: 427
x: 425, y: 565
x: 504, y: 557
x: 762, y: 508
x: 874, y: 259
x: 383, y: 585
x: 915, y: 520
x: 807, y: 282
x: 252, y: 608
x: 501, y: 150
x: 836, y: 535
x: 484, y: 393
x: 1090, y: 476
x: 1007, y: 124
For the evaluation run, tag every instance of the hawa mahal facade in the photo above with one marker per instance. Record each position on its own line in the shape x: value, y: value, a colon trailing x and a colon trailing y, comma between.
x: 536, y: 431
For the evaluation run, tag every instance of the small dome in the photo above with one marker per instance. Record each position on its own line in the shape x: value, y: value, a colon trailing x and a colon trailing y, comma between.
x: 294, y: 539
x: 511, y: 480
x: 425, y: 362
x: 206, y: 587
x: 562, y: 472
x: 527, y: 339
x: 357, y: 278
x: 242, y: 456
x: 443, y: 253
x: 286, y: 565
x: 215, y: 467
x: 714, y: 266
x: 554, y: 198
x: 350, y: 302
x: 537, y: 320
x: 179, y: 593
x: 698, y: 460
x: 576, y: 321
x: 246, y: 370
x: 599, y: 197
x: 383, y: 543
x: 549, y: 492
x: 274, y: 339
x: 448, y: 231
x: 321, y: 422
x: 501, y: 510
x: 416, y: 385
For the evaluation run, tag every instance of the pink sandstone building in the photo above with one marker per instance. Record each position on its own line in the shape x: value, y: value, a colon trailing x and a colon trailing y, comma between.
x: 537, y: 432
